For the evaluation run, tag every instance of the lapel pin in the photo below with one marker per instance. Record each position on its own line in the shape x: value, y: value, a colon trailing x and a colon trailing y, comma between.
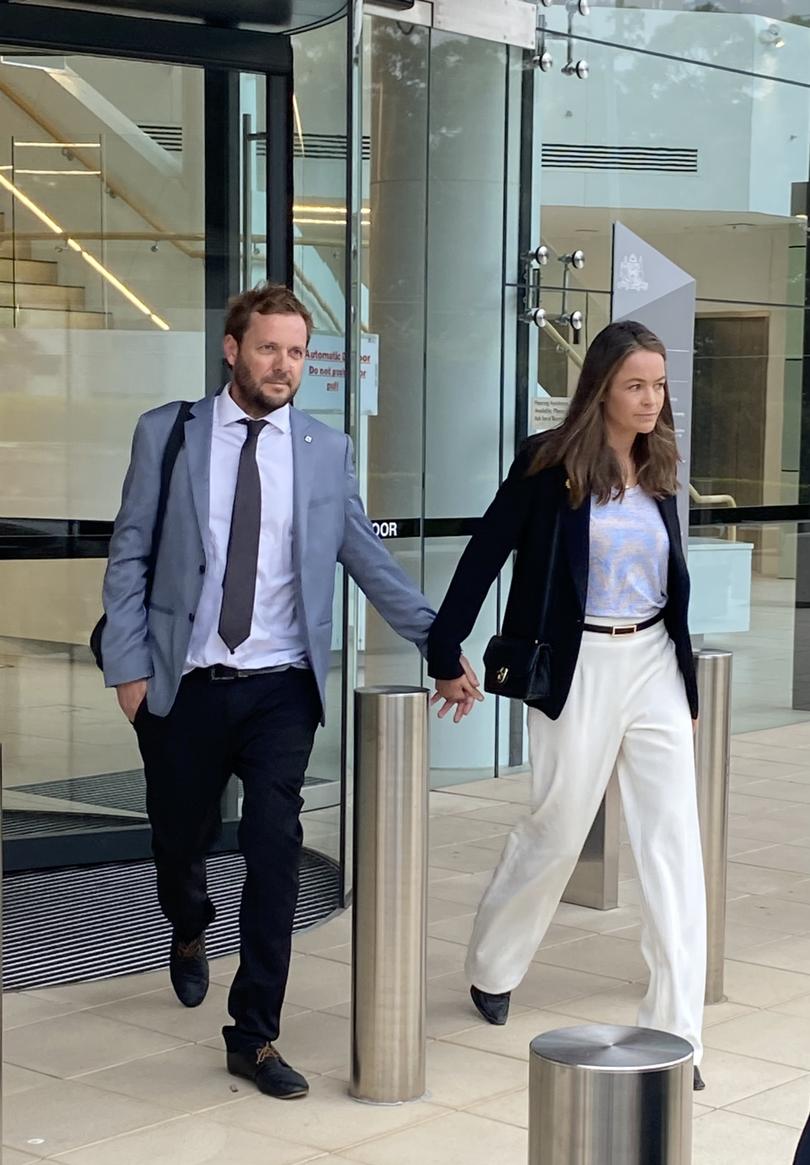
x: 308, y: 439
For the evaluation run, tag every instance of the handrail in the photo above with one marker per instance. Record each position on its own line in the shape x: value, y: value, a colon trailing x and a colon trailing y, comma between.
x: 117, y: 191
x: 716, y: 500
x: 711, y: 499
x: 578, y: 359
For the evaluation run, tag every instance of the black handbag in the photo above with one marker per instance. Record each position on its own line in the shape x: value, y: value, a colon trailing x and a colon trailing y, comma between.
x: 521, y: 668
x: 174, y: 444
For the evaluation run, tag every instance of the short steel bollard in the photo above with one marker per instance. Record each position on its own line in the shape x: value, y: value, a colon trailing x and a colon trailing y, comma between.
x: 390, y: 894
x: 606, y: 1095
x: 712, y: 758
x: 595, y: 880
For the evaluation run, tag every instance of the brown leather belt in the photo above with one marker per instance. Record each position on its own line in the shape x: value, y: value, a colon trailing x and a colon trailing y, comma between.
x: 625, y: 628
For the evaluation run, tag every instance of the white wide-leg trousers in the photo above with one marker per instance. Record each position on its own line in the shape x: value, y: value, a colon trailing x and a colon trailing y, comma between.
x: 627, y: 709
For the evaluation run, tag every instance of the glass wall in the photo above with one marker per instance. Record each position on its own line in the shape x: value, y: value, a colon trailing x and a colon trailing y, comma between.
x: 442, y: 119
x: 102, y: 279
x: 692, y: 129
x: 105, y: 264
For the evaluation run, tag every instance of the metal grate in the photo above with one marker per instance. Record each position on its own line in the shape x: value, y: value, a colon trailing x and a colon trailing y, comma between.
x: 561, y: 156
x: 319, y: 145
x: 62, y: 926
x: 168, y: 136
x: 124, y: 790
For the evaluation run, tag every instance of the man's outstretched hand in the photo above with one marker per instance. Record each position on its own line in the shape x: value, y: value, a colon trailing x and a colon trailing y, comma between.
x: 460, y: 693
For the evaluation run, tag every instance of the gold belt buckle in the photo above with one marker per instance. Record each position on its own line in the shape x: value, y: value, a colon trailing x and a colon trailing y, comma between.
x: 627, y: 629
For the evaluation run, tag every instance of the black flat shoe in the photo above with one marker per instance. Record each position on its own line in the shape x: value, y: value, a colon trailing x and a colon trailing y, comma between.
x: 271, y: 1074
x: 494, y: 1008
x: 188, y: 970
x: 698, y: 1084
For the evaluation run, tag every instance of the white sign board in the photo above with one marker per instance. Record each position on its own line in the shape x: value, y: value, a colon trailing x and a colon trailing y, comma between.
x: 323, y: 385
x: 548, y: 412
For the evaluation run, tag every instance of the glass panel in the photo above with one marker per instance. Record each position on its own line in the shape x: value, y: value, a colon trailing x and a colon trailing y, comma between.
x: 439, y: 112
x: 744, y: 583
x: 102, y: 278
x: 672, y: 135
x: 319, y: 257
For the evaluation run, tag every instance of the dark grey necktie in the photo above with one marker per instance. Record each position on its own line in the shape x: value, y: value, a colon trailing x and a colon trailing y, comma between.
x: 239, y: 583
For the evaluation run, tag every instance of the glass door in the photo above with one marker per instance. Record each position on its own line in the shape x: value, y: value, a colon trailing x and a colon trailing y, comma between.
x: 119, y: 244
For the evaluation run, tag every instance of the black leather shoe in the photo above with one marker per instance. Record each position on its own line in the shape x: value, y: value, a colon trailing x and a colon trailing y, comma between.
x: 271, y: 1074
x: 494, y: 1008
x: 698, y: 1085
x: 188, y: 970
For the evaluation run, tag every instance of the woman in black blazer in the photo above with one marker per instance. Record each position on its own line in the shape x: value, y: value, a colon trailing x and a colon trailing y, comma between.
x: 590, y: 510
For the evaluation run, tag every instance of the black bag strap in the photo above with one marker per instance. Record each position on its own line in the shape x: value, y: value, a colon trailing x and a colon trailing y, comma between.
x: 174, y: 444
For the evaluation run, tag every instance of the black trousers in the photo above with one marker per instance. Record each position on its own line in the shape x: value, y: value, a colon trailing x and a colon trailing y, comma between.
x: 803, y: 1148
x: 262, y: 729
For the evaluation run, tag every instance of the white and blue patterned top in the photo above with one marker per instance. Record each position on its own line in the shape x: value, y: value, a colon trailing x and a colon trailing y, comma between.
x: 629, y: 558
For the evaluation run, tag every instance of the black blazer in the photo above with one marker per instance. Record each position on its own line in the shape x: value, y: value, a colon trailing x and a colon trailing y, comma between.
x: 521, y: 518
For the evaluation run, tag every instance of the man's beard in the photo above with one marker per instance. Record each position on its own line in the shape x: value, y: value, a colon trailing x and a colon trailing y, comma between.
x: 251, y: 388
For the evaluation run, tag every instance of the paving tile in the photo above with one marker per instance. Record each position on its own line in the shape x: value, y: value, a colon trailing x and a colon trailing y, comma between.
x: 794, y: 858
x: 798, y: 1007
x: 727, y: 1138
x: 192, y: 1142
x: 770, y: 912
x: 80, y: 1042
x: 316, y: 1042
x: 597, y: 921
x: 512, y: 1109
x: 732, y: 1076
x: 441, y: 909
x: 22, y: 1079
x: 464, y: 888
x: 23, y: 1007
x: 467, y: 858
x: 459, y: 1076
x: 790, y: 954
x: 788, y: 1104
x: 742, y: 878
x: 598, y: 952
x: 331, y: 934
x: 503, y: 813
x: 330, y: 1119
x: 799, y: 891
x: 160, y: 1011
x: 514, y: 1037
x: 543, y: 986
x: 457, y: 1139
x: 74, y: 996
x: 12, y: 1157
x: 448, y: 830
x: 193, y: 1077
x: 760, y: 986
x: 442, y: 802
x: 66, y: 1115
x: 316, y: 982
x: 767, y: 1034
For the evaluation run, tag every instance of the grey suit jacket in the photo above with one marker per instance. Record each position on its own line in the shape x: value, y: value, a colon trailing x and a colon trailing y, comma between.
x: 329, y: 526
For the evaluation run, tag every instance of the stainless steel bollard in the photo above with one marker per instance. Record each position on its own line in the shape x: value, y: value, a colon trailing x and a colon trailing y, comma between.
x: 712, y: 758
x: 390, y: 894
x: 595, y: 881
x: 606, y: 1095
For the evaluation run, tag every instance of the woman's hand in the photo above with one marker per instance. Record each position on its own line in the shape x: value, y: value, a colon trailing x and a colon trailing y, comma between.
x: 460, y: 693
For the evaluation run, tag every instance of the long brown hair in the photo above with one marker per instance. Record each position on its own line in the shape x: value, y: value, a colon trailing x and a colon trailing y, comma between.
x: 580, y: 442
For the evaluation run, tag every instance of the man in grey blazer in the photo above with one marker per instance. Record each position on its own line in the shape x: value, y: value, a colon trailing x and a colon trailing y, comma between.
x: 223, y: 670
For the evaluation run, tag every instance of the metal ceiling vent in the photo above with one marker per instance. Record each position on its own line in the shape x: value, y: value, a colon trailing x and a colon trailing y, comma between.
x: 272, y: 15
x: 563, y: 156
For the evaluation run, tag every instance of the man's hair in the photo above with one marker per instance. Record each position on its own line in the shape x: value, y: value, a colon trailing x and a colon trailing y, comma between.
x: 267, y: 299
